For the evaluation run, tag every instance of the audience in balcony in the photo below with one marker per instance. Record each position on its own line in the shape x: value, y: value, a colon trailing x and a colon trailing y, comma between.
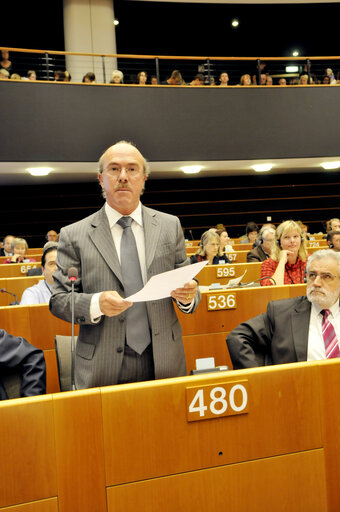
x: 142, y: 77
x: 303, y: 80
x: 154, y: 80
x: 117, y: 77
x: 5, y: 62
x: 224, y: 79
x: 15, y: 76
x: 269, y: 80
x: 89, y: 78
x: 31, y: 75
x: 288, y: 257
x: 19, y: 248
x: 174, y: 79
x: 245, y: 80
x: 4, y: 74
x: 209, y: 249
x: 198, y: 80
x: 283, y: 82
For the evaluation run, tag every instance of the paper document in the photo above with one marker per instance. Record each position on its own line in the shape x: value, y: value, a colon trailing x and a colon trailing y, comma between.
x: 235, y: 282
x: 160, y: 286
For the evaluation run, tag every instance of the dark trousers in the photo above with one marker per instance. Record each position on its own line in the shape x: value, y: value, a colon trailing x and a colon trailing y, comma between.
x: 135, y: 367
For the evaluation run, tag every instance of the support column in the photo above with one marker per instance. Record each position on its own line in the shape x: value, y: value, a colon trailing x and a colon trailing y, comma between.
x: 88, y: 27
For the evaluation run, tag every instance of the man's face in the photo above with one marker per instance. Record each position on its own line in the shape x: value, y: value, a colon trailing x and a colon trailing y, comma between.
x: 323, y: 286
x: 267, y: 243
x: 335, y: 225
x: 8, y: 242
x: 52, y: 236
x: 263, y: 79
x: 50, y: 266
x: 224, y: 78
x: 336, y: 243
x: 122, y: 178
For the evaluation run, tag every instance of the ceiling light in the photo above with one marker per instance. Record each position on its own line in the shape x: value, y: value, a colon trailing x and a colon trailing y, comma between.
x: 39, y: 171
x: 292, y: 69
x: 115, y: 22
x: 235, y: 23
x: 295, y: 53
x: 262, y: 167
x: 330, y: 165
x: 191, y: 169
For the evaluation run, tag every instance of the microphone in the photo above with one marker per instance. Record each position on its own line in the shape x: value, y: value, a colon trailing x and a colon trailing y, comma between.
x: 257, y: 281
x: 192, y: 237
x: 72, y: 274
x: 15, y: 303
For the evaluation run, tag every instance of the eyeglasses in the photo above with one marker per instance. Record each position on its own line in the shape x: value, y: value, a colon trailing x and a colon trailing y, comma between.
x: 324, y: 276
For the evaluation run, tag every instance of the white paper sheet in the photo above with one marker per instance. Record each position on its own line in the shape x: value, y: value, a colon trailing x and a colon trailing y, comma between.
x: 160, y: 286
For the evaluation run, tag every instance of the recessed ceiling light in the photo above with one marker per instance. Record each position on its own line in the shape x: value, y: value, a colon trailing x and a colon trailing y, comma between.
x: 295, y: 53
x: 39, y: 171
x: 235, y: 23
x: 115, y: 22
x: 262, y: 167
x: 330, y: 165
x: 191, y: 169
x: 292, y: 69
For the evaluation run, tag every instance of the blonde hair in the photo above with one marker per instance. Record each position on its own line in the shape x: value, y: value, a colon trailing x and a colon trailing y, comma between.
x: 19, y: 241
x: 205, y: 239
x: 287, y: 227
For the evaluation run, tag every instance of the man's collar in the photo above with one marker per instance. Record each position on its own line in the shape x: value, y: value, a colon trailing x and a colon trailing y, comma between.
x: 114, y: 216
x: 333, y: 309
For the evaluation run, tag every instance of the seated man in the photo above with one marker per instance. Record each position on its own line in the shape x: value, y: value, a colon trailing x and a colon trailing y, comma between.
x: 18, y: 353
x: 252, y: 230
x: 198, y: 80
x: 299, y: 329
x: 333, y: 240
x: 264, y: 248
x: 6, y: 250
x: 52, y: 236
x: 41, y: 293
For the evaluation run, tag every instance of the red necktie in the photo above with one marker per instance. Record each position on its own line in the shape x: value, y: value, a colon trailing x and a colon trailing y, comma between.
x: 329, y: 336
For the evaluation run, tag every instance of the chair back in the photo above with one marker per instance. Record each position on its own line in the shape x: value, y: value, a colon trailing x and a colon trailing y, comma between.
x: 63, y: 352
x: 11, y: 380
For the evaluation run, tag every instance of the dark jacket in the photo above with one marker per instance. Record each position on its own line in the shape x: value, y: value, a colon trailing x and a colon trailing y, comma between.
x: 257, y: 254
x: 29, y: 360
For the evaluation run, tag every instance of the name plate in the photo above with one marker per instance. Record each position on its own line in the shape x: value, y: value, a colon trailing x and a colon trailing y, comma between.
x: 216, y: 302
x: 27, y: 266
x: 211, y: 402
x: 232, y: 256
x: 225, y: 271
x: 314, y: 244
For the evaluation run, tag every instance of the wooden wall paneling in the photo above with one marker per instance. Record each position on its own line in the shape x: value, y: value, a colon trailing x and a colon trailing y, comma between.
x: 27, y: 447
x: 49, y: 505
x: 283, y: 418
x: 16, y: 285
x: 330, y: 419
x: 289, y: 482
x: 80, y: 451
x: 16, y: 320
x: 45, y: 326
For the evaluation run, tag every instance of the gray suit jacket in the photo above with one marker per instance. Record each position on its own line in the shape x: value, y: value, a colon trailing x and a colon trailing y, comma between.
x: 88, y: 246
x: 278, y: 336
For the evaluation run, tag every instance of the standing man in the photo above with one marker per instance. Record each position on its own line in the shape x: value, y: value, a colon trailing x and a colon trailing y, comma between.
x: 299, y: 329
x: 121, y: 341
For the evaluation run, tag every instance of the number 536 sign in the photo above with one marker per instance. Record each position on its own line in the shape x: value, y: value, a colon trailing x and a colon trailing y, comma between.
x: 208, y: 402
x: 221, y: 301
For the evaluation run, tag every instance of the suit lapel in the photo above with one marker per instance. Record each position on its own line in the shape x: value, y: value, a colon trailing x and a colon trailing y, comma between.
x: 300, y: 328
x: 152, y: 231
x: 101, y: 236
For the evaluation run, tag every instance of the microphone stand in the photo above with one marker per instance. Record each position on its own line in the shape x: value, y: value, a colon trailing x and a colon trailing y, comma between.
x: 73, y: 386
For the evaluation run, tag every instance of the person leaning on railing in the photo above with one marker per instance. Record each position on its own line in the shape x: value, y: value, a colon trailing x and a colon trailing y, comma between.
x: 288, y: 258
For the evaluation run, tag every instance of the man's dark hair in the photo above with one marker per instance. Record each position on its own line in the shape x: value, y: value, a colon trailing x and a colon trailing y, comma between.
x: 53, y: 246
x: 251, y: 226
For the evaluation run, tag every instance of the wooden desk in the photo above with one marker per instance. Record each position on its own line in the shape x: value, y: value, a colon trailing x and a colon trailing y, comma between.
x: 17, y: 269
x: 223, y: 273
x: 131, y: 447
x: 16, y: 285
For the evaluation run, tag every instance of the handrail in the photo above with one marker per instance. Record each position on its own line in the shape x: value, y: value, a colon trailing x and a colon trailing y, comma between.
x: 166, y: 57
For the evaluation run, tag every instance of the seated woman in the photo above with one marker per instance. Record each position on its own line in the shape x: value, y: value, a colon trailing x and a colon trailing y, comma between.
x: 224, y: 239
x: 19, y: 248
x: 117, y: 77
x: 142, y: 77
x: 209, y: 249
x: 288, y: 257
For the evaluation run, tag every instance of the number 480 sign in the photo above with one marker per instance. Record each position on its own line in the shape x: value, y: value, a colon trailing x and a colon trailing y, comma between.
x: 208, y: 402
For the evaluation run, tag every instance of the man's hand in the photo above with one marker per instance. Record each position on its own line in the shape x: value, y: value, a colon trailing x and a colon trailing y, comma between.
x: 186, y: 294
x: 112, y: 304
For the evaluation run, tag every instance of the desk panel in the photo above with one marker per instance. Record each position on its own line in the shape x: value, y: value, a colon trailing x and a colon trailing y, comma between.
x: 50, y: 505
x: 291, y: 483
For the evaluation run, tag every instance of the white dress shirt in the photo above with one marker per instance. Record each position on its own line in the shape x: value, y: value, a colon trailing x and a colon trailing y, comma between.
x: 316, y: 346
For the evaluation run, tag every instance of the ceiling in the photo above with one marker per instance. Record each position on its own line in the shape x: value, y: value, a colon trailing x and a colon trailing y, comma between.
x: 14, y: 173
